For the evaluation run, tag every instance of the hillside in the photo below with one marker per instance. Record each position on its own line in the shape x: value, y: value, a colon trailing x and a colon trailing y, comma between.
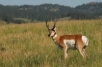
x: 92, y: 9
x: 38, y: 12
x: 51, y: 11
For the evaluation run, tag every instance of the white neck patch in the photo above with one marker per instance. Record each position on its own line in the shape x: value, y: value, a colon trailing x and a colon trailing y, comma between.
x: 54, y: 36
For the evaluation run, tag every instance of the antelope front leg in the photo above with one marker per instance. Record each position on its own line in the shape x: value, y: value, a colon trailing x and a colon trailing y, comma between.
x: 65, y: 52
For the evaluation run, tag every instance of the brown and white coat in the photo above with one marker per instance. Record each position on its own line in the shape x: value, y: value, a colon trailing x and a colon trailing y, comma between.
x: 66, y: 42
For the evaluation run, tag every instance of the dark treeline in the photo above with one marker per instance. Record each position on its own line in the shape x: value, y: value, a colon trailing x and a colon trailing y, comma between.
x: 50, y: 12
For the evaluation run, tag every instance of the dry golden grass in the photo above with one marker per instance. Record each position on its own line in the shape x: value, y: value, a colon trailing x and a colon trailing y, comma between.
x: 27, y: 45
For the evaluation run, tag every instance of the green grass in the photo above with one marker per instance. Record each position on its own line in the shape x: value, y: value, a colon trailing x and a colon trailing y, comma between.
x: 27, y: 45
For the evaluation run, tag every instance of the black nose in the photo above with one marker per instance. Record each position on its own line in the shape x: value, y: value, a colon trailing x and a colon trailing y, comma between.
x: 48, y: 35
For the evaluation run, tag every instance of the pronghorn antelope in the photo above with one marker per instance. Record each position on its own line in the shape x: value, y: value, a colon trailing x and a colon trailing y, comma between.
x: 66, y: 42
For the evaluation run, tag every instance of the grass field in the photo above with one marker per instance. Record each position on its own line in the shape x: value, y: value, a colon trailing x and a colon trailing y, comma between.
x: 27, y: 45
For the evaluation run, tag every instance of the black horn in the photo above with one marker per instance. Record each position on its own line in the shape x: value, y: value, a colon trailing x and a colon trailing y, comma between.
x: 54, y: 24
x: 47, y: 25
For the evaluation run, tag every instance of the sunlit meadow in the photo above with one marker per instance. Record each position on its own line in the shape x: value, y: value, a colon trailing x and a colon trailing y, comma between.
x: 28, y: 45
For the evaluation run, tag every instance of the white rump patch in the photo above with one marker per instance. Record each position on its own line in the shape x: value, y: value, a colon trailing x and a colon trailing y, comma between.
x: 85, y: 40
x: 69, y: 43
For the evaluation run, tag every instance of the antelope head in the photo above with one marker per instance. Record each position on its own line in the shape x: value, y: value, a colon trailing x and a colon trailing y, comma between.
x: 52, y: 31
